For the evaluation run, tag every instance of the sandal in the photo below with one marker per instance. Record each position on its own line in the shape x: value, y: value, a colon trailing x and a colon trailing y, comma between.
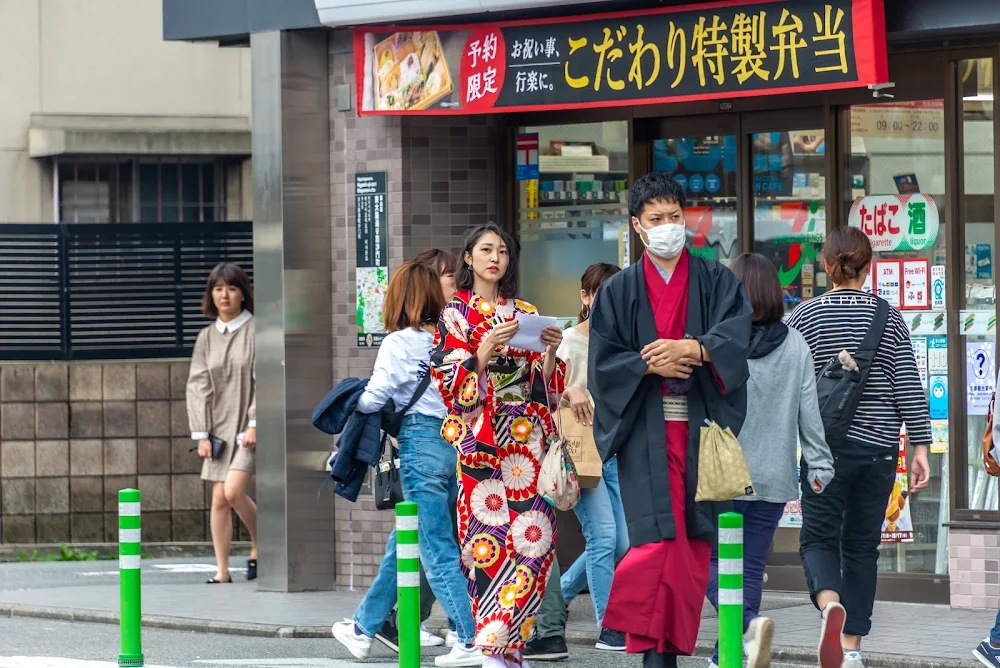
x: 251, y: 569
x: 213, y: 581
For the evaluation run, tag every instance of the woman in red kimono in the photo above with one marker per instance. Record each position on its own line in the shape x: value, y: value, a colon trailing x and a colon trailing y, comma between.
x: 500, y: 400
x: 668, y: 350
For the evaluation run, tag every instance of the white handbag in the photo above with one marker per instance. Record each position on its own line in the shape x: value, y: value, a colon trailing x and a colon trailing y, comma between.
x: 557, y: 481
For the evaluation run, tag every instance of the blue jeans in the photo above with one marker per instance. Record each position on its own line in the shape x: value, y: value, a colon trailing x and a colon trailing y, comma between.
x: 760, y: 520
x: 603, y: 522
x: 995, y: 633
x: 430, y: 479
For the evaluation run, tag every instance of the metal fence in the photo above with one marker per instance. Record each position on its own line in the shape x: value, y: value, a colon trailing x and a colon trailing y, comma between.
x: 109, y: 291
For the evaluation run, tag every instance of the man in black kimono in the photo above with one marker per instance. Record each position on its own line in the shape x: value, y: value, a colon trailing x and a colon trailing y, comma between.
x: 669, y: 339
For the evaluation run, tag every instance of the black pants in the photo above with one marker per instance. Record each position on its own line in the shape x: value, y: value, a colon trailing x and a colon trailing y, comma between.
x: 842, y: 529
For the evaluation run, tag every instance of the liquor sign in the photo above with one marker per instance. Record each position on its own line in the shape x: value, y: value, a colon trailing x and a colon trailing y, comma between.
x: 737, y: 48
x: 896, y: 222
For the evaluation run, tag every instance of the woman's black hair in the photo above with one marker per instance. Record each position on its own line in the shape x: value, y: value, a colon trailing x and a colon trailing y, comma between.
x: 464, y: 278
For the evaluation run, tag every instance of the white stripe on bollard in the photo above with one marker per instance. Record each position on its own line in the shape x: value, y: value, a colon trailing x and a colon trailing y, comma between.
x: 129, y: 535
x: 730, y: 566
x: 730, y: 536
x: 128, y: 509
x: 730, y: 597
x: 407, y: 551
x: 132, y: 561
x: 404, y: 579
x: 406, y: 523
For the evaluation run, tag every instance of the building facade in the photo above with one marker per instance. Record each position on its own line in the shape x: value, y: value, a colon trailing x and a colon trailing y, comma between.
x: 906, y: 150
x: 120, y: 154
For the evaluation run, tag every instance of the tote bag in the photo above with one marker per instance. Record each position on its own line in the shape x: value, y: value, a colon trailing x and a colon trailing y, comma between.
x: 557, y: 482
x: 723, y: 474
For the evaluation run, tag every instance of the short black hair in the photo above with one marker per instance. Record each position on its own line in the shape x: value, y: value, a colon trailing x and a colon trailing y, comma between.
x: 651, y: 187
x: 464, y: 277
x: 230, y: 274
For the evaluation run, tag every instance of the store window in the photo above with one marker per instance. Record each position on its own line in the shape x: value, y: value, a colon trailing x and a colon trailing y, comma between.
x: 789, y: 183
x: 979, y: 308
x: 572, y: 209
x: 897, y: 177
x: 147, y: 190
x: 705, y: 166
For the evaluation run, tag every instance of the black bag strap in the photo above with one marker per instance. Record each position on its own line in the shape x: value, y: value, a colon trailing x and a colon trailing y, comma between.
x: 877, y: 328
x: 425, y: 382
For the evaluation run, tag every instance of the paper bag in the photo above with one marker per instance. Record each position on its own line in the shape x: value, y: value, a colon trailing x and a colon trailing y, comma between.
x: 582, y: 449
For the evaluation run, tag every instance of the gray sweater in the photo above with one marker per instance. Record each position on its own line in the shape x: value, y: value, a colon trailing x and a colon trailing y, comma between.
x: 782, y: 411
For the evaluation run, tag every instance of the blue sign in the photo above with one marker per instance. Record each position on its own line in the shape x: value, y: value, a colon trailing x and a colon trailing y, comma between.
x: 682, y: 179
x: 697, y: 183
x: 939, y: 398
x: 713, y: 183
x: 984, y: 261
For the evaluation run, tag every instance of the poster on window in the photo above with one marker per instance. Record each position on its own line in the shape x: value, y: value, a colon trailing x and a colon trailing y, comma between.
x: 887, y: 280
x: 898, y: 524
x: 980, y: 372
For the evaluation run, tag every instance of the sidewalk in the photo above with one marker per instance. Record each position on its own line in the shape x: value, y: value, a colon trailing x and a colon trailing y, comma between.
x: 175, y: 597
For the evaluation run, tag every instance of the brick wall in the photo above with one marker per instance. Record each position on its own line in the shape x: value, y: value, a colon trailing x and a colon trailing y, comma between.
x: 72, y: 435
x: 442, y: 180
x: 974, y: 568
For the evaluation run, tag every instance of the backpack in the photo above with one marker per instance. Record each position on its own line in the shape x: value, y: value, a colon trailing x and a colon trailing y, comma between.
x: 839, y: 390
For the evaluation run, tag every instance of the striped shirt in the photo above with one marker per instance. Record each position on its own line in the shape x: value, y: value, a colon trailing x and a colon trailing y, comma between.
x: 894, y: 395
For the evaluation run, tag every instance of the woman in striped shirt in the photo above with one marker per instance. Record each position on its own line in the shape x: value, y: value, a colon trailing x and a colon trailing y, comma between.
x: 842, y: 527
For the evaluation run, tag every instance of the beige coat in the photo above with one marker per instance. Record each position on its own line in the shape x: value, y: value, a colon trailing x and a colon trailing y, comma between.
x: 221, y: 392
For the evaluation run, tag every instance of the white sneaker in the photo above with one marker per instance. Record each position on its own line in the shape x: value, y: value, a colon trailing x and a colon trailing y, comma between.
x: 460, y: 655
x: 428, y: 639
x: 852, y: 659
x: 757, y: 642
x: 358, y: 645
x: 450, y: 638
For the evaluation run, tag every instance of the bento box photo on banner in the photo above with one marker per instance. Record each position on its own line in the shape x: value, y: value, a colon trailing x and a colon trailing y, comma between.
x: 720, y: 50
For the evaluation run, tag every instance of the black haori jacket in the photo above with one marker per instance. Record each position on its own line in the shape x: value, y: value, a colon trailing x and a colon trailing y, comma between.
x: 628, y: 412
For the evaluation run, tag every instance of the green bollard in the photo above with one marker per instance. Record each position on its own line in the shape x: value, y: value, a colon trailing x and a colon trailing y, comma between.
x: 408, y: 584
x: 129, y: 582
x: 730, y: 590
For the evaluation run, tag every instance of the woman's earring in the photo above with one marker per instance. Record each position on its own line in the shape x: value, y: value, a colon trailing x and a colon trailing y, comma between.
x: 586, y: 311
x: 469, y: 266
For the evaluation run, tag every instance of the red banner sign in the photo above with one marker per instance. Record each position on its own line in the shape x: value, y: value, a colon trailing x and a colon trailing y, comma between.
x: 702, y: 51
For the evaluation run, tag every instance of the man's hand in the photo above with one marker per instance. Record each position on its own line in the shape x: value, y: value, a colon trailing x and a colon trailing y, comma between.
x: 672, y: 370
x: 669, y: 351
x: 205, y: 448
x: 580, y: 403
x: 920, y: 470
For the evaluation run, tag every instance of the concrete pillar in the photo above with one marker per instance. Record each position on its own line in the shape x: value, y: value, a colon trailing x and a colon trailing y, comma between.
x: 292, y: 264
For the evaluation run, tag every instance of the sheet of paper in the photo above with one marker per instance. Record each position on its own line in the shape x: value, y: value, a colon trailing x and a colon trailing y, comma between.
x: 529, y: 335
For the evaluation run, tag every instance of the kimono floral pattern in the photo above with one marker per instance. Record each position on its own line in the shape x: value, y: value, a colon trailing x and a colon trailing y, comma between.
x: 498, y: 423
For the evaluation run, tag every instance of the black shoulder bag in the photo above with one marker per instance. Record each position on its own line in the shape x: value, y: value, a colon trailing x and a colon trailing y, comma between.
x: 387, y: 486
x: 840, y: 390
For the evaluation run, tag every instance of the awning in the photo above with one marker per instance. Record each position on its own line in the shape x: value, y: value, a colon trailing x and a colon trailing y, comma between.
x: 77, y: 134
x: 357, y: 12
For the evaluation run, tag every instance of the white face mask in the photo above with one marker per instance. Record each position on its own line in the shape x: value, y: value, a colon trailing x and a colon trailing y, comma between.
x: 665, y: 241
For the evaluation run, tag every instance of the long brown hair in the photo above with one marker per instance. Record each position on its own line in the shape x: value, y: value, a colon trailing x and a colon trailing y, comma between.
x: 592, y: 279
x: 230, y: 274
x: 414, y: 298
x: 762, y: 285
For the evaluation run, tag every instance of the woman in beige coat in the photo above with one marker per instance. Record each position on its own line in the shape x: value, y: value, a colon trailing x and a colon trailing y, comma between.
x: 221, y: 404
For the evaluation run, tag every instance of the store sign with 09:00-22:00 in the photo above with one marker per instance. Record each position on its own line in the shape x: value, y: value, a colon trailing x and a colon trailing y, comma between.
x: 719, y: 50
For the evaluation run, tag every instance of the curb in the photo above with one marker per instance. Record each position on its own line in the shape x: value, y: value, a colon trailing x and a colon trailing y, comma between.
x: 799, y: 655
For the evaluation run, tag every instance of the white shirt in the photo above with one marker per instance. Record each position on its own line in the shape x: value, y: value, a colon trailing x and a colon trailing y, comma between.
x: 234, y: 324
x: 403, y: 358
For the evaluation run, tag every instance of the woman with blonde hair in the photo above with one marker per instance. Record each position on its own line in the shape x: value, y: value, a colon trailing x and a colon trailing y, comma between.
x: 222, y: 409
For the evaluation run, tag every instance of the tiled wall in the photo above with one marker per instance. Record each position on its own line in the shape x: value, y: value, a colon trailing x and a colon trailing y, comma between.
x: 72, y: 435
x: 974, y: 568
x: 442, y: 174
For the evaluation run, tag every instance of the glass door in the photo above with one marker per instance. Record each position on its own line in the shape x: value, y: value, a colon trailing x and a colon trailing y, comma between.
x: 703, y: 155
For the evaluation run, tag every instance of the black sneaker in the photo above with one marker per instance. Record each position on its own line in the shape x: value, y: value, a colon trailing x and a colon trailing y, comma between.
x: 611, y: 641
x: 546, y: 649
x: 388, y: 635
x: 987, y: 654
